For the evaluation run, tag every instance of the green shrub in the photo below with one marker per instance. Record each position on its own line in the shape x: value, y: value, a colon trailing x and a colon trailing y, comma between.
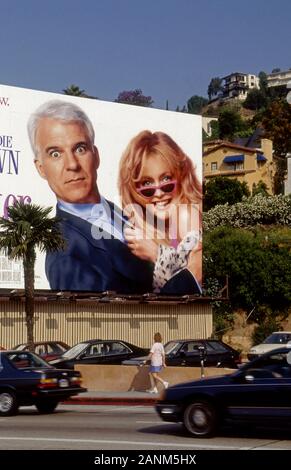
x: 265, y: 329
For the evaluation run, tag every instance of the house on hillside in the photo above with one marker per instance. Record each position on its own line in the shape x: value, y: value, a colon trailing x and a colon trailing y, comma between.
x: 279, y: 79
x: 241, y: 162
x: 237, y: 85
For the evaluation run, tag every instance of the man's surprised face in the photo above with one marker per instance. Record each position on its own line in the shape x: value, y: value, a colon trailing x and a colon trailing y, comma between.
x: 68, y: 160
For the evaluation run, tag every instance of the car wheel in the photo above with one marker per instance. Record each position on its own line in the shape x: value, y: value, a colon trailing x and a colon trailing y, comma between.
x: 46, y: 407
x: 8, y: 404
x: 200, y: 419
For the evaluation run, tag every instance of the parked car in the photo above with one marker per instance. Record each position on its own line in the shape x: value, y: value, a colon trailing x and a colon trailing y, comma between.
x: 259, y: 392
x: 46, y: 349
x: 26, y: 379
x: 274, y: 341
x: 187, y: 352
x: 97, y: 351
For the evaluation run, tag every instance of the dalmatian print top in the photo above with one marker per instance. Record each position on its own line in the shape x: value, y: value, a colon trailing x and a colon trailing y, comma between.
x: 171, y: 260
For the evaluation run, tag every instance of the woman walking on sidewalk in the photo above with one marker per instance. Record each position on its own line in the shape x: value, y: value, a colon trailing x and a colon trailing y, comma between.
x: 157, y: 358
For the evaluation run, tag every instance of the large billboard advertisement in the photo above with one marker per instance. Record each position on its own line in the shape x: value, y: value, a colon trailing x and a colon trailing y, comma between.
x: 124, y: 181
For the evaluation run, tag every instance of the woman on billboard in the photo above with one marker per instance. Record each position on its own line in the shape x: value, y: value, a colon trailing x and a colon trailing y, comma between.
x: 162, y: 197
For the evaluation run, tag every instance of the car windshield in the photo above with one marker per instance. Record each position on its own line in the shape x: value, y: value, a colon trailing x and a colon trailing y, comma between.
x: 172, y: 347
x: 278, y: 338
x: 24, y: 360
x: 75, y: 350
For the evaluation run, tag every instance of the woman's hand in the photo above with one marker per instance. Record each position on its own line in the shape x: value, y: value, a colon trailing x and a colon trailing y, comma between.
x: 144, y: 249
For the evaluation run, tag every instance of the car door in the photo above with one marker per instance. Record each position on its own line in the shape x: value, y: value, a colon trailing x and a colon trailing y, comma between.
x: 217, y: 355
x: 93, y: 354
x: 261, y: 391
x: 191, y: 353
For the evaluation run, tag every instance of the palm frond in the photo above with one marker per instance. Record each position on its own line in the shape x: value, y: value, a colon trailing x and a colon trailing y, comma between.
x: 28, y: 228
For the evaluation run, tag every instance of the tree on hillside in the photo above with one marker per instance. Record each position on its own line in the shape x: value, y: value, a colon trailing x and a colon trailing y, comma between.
x: 263, y: 82
x: 277, y: 124
x: 258, y: 266
x: 195, y: 104
x: 214, y: 87
x: 214, y: 134
x: 230, y: 123
x: 260, y: 188
x: 255, y: 100
x: 222, y: 190
x: 134, y: 97
x: 28, y: 228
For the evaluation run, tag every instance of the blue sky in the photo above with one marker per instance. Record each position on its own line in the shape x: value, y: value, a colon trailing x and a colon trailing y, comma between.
x: 168, y: 48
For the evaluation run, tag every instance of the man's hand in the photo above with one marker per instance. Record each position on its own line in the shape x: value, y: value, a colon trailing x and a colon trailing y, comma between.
x: 144, y: 249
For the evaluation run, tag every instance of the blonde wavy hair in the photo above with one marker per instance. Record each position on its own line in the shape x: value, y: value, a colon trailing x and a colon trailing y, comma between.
x: 145, y: 144
x: 157, y: 143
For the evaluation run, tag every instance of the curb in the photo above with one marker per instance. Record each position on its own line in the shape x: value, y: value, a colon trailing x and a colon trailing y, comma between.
x: 151, y: 401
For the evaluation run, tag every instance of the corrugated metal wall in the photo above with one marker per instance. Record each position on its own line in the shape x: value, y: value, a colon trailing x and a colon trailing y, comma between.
x: 76, y: 321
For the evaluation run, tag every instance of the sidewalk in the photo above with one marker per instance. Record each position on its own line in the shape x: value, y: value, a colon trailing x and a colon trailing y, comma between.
x: 114, y: 398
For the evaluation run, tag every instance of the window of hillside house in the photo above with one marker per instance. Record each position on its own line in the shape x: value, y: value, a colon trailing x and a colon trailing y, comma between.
x: 213, y: 166
x: 236, y: 166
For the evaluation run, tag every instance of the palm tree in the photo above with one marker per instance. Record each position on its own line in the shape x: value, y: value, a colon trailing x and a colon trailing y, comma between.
x: 74, y: 90
x: 28, y: 228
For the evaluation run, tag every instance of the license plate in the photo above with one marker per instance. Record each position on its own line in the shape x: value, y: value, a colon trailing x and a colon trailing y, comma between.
x: 63, y: 383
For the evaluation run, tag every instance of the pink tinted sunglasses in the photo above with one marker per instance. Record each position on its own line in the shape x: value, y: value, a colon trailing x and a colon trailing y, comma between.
x: 149, y: 191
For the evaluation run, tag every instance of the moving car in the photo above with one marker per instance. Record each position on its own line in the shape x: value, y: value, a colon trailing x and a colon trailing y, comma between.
x: 259, y: 392
x: 46, y: 349
x: 26, y: 379
x: 97, y: 351
x: 274, y: 341
x: 188, y: 352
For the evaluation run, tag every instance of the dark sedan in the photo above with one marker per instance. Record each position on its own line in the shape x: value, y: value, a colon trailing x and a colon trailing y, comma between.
x: 259, y: 392
x: 189, y: 352
x: 46, y: 349
x: 97, y: 351
x: 26, y: 379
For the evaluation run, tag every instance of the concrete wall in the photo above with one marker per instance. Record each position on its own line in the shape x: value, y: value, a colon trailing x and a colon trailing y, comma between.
x: 124, y: 378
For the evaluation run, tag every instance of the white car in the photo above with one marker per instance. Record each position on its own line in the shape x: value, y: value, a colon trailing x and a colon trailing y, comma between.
x: 275, y: 340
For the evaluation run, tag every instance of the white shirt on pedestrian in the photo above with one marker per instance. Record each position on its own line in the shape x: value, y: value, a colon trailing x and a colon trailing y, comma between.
x: 158, y: 352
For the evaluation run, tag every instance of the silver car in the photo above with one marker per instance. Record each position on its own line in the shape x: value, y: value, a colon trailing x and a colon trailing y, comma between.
x: 276, y: 340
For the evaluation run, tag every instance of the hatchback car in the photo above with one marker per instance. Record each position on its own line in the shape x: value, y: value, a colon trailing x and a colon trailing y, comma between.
x: 46, y: 349
x: 260, y: 391
x: 274, y: 341
x: 97, y: 351
x: 26, y: 379
x: 189, y: 352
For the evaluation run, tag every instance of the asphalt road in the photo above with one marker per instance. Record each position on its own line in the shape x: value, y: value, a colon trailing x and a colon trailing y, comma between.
x: 74, y: 427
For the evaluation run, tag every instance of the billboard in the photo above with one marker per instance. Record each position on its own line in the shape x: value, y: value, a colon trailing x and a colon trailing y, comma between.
x: 125, y: 182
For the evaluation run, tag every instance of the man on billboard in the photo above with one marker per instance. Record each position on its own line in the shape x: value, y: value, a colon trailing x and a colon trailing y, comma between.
x: 62, y: 139
x: 99, y: 255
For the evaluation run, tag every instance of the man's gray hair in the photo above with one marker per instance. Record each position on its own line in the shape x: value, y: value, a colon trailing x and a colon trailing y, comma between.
x: 57, y: 109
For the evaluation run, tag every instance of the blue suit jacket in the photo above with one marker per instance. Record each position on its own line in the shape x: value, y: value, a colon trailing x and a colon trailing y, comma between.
x: 89, y: 264
x: 98, y: 265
